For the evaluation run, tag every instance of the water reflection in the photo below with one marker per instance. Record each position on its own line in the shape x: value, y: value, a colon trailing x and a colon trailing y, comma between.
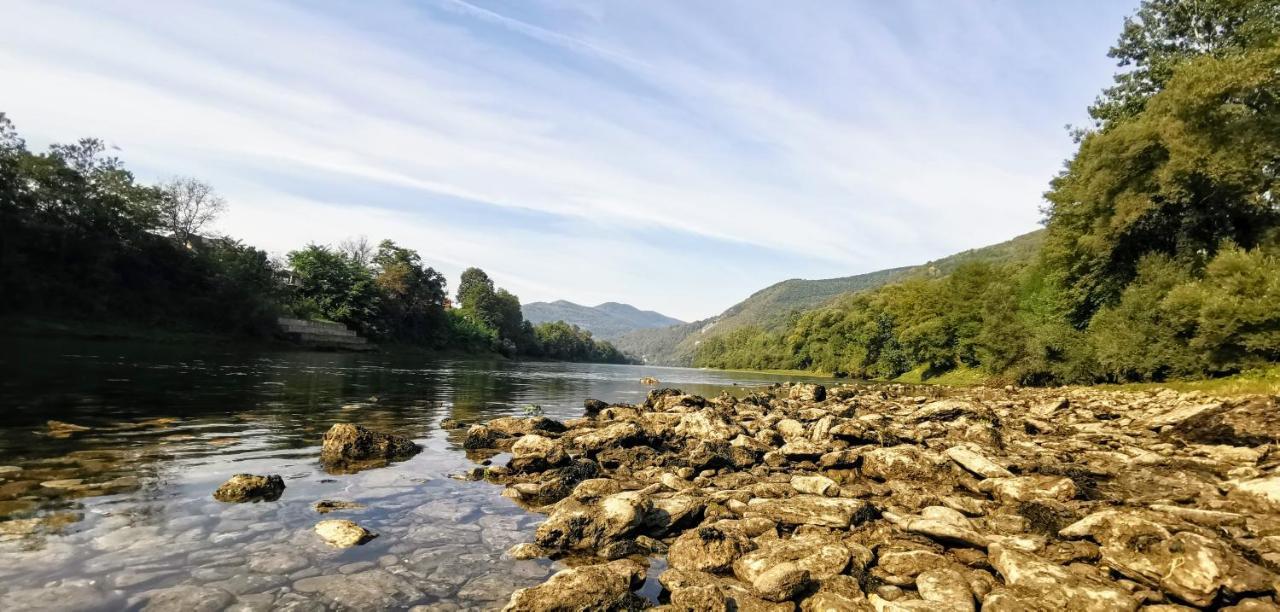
x: 113, y: 500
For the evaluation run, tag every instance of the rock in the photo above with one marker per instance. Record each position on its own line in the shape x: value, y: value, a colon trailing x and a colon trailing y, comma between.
x: 1253, y: 422
x: 781, y: 582
x: 706, y: 597
x: 450, y: 424
x: 800, y: 450
x: 976, y: 463
x: 1262, y: 494
x: 1180, y: 414
x: 737, y: 596
x: 188, y: 598
x: 1053, y: 586
x: 347, y: 445
x: 671, y: 513
x: 707, y: 549
x: 588, y: 526
x: 1030, y: 488
x: 480, y: 437
x: 705, y: 425
x: 837, y: 594
x: 903, y: 462
x: 62, y: 428
x: 820, y: 558
x: 602, y: 587
x: 807, y: 392
x: 945, y: 588
x: 815, y: 485
x: 649, y: 380
x: 593, y: 407
x: 1187, y: 565
x: 248, y: 487
x: 63, y: 598
x: 908, y: 564
x: 374, y: 589
x: 326, y: 506
x: 943, y: 524
x: 526, y: 550
x: 811, y: 510
x: 616, y: 435
x: 946, y: 410
x: 535, y: 453
x: 343, y: 533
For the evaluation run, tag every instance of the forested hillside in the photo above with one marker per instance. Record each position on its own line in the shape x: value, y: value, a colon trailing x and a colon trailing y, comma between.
x: 773, y: 307
x: 1161, y: 255
x: 606, y: 321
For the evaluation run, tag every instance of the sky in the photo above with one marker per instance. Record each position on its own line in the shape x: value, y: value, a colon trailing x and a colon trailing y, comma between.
x: 677, y: 156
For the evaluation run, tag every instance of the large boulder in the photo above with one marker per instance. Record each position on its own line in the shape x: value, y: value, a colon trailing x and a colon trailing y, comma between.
x: 250, y: 488
x: 1190, y: 566
x: 535, y: 453
x: 604, y: 587
x: 575, y: 525
x: 348, y: 446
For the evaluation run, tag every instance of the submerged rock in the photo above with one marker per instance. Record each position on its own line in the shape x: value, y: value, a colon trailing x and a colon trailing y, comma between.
x: 250, y: 488
x: 326, y: 506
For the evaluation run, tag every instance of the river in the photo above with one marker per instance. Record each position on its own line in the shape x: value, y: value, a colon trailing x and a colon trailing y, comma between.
x: 119, y: 515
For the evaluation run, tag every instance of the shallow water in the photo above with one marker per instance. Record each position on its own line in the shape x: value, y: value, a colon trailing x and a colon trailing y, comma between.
x: 120, y: 515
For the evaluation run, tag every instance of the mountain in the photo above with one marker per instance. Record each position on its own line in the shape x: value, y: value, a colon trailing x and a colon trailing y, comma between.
x: 769, y: 308
x: 605, y: 321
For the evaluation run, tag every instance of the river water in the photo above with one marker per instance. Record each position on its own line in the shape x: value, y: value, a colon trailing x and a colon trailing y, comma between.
x: 119, y: 515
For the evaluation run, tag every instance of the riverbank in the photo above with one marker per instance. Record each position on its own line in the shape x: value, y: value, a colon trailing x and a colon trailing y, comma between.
x: 897, y: 497
x: 1263, y: 381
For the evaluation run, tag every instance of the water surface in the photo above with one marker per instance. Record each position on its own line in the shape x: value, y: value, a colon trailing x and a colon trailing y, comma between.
x: 120, y: 514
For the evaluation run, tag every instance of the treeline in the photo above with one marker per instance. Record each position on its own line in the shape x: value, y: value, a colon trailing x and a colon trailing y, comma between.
x: 81, y: 238
x: 1162, y: 255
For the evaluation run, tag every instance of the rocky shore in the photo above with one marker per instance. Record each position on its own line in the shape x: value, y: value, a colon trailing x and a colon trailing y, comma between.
x: 893, y: 498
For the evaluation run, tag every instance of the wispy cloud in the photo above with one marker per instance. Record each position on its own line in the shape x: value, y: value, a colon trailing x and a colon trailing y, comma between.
x: 676, y: 156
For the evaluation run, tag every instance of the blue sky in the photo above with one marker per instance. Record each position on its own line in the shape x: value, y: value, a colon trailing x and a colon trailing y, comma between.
x: 677, y: 156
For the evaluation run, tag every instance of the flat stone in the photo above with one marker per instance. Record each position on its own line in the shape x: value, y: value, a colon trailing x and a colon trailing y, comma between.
x: 343, y: 533
x: 188, y: 598
x: 811, y: 510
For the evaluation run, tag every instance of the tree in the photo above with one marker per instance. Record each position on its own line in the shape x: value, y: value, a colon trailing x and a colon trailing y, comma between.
x: 1197, y: 166
x: 473, y: 287
x: 413, y: 295
x: 188, y: 205
x: 330, y: 284
x: 359, y: 249
x: 1165, y: 33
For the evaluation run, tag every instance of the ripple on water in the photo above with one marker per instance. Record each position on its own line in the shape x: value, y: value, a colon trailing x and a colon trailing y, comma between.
x: 127, y: 518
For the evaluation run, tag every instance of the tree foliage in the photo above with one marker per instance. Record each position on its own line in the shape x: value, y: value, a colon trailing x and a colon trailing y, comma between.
x: 80, y: 237
x: 1160, y: 259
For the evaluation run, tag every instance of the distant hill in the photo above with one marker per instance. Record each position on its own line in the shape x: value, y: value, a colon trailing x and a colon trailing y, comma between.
x: 769, y: 308
x: 605, y: 321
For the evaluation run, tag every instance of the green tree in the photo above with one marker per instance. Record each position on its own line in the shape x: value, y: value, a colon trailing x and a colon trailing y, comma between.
x: 1163, y: 34
x: 1197, y: 166
x: 335, y: 287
